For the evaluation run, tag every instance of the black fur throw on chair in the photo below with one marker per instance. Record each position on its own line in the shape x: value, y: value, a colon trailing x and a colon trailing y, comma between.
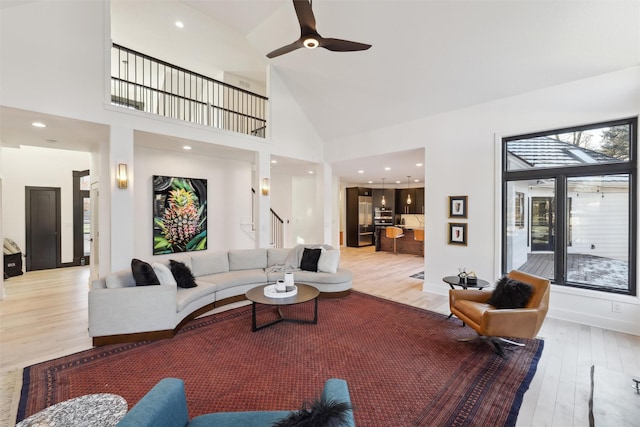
x: 319, y: 413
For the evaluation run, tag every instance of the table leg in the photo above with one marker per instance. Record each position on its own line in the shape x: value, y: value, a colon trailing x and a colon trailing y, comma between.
x: 253, y: 317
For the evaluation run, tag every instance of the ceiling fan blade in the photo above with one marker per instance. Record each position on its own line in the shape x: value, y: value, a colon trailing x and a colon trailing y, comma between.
x: 305, y: 16
x: 337, y: 45
x: 285, y: 49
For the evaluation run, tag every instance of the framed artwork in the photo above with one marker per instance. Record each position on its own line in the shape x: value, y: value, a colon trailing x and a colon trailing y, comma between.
x: 457, y: 233
x: 179, y: 214
x: 519, y: 208
x: 457, y: 206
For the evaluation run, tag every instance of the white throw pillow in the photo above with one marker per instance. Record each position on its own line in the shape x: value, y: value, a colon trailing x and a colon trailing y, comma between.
x: 329, y: 260
x: 165, y: 277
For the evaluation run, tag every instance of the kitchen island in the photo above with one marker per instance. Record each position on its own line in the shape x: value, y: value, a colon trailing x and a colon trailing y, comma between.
x: 404, y: 245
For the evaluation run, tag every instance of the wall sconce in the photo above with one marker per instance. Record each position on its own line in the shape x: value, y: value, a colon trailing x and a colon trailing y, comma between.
x: 265, y: 186
x: 121, y: 175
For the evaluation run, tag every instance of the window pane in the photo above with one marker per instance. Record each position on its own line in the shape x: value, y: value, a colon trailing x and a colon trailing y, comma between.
x: 577, y: 148
x: 530, y: 218
x: 599, y: 230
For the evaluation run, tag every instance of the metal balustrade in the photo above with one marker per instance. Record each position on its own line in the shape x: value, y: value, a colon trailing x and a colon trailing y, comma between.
x: 141, y: 82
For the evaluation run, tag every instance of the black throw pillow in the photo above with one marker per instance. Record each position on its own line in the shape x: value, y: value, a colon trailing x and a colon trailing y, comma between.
x: 143, y: 273
x: 320, y: 413
x: 510, y: 293
x: 182, y: 274
x: 310, y: 257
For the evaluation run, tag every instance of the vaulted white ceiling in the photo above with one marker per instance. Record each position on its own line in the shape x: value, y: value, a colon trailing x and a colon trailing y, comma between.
x: 427, y: 57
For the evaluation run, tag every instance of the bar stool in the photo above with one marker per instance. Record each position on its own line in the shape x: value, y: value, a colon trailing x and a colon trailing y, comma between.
x: 418, y: 235
x: 394, y: 233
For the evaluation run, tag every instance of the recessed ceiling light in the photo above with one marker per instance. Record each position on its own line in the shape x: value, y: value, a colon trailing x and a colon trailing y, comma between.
x: 274, y: 161
x: 397, y: 182
x: 311, y: 172
x: 179, y: 24
x: 416, y: 180
x: 360, y: 171
x: 38, y: 125
x: 370, y: 182
x: 186, y: 147
x: 418, y: 164
x: 387, y: 168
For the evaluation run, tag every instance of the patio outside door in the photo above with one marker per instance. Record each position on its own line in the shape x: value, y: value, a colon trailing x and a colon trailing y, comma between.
x: 542, y: 223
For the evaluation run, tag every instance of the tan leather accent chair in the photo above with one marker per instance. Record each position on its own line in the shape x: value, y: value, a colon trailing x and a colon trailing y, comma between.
x: 394, y: 233
x: 492, y: 324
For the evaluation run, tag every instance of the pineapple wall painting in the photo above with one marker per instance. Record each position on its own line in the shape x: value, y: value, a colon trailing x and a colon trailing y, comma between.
x: 179, y: 214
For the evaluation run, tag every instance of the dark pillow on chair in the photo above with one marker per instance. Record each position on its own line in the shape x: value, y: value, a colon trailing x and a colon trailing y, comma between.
x: 143, y: 273
x: 510, y: 293
x: 310, y: 257
x: 320, y: 413
x: 182, y: 274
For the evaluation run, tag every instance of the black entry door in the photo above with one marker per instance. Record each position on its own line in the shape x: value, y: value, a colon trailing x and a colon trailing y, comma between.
x: 542, y: 223
x: 42, y: 228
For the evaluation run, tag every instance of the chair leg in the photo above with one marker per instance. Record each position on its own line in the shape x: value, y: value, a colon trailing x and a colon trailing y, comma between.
x: 495, y: 341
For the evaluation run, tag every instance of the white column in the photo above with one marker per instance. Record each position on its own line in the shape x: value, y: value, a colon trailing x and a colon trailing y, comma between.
x: 122, y: 214
x: 327, y: 204
x: 263, y: 202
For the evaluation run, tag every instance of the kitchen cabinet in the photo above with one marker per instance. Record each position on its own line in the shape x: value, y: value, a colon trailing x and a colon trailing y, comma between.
x: 417, y: 201
x: 389, y: 198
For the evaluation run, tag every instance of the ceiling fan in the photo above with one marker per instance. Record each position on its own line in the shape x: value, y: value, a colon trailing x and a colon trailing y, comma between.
x: 310, y: 38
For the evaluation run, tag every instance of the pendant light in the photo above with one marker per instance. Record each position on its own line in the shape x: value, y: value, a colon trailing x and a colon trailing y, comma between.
x: 383, y: 202
x: 408, y: 194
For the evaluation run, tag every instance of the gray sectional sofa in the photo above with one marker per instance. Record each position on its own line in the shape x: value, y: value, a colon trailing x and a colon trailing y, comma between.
x: 120, y: 311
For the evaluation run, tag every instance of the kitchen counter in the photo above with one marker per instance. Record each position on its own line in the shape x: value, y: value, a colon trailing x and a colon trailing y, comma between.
x: 405, y: 245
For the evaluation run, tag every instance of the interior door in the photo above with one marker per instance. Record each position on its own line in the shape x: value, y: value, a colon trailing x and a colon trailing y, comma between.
x: 542, y: 223
x: 43, y: 244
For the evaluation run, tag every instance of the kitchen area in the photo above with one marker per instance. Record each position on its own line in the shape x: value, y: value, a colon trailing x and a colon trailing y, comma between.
x: 370, y: 211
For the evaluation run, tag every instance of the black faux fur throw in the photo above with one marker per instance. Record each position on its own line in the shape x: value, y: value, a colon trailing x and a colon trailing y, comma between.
x: 319, y: 413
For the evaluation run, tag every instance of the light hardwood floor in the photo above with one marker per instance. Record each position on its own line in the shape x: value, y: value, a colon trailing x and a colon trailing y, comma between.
x: 44, y: 315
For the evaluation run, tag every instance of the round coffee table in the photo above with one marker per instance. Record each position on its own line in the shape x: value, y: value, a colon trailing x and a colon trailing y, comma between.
x: 91, y: 410
x: 305, y: 293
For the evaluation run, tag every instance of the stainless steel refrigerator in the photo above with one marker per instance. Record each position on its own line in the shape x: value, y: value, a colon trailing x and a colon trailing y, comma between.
x: 359, y: 217
x: 365, y: 221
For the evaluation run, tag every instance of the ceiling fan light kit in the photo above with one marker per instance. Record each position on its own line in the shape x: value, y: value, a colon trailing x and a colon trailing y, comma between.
x: 310, y: 38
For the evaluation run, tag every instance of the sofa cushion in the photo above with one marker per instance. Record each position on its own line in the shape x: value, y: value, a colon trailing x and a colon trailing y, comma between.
x: 164, y: 274
x: 247, y: 259
x: 309, y: 260
x: 143, y: 273
x: 236, y: 278
x: 310, y: 277
x: 238, y: 418
x: 295, y: 256
x: 186, y: 296
x: 329, y: 260
x: 209, y: 263
x: 182, y: 274
x: 121, y: 279
x: 277, y: 256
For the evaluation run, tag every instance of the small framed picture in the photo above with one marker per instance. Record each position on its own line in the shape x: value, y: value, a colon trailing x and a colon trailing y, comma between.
x: 457, y: 206
x: 457, y: 233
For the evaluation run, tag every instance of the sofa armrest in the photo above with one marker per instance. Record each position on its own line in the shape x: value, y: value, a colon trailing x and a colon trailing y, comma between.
x: 131, y: 310
x: 165, y: 405
x: 336, y: 389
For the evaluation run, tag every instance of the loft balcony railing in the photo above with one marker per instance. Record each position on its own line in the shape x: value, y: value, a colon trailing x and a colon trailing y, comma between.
x: 148, y: 84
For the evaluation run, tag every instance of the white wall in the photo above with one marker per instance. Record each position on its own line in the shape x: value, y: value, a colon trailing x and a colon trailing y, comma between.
x: 463, y: 158
x: 229, y: 197
x: 307, y: 215
x: 52, y: 57
x: 39, y: 167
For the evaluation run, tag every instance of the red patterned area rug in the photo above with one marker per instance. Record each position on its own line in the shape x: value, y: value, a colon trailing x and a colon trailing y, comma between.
x: 404, y: 366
